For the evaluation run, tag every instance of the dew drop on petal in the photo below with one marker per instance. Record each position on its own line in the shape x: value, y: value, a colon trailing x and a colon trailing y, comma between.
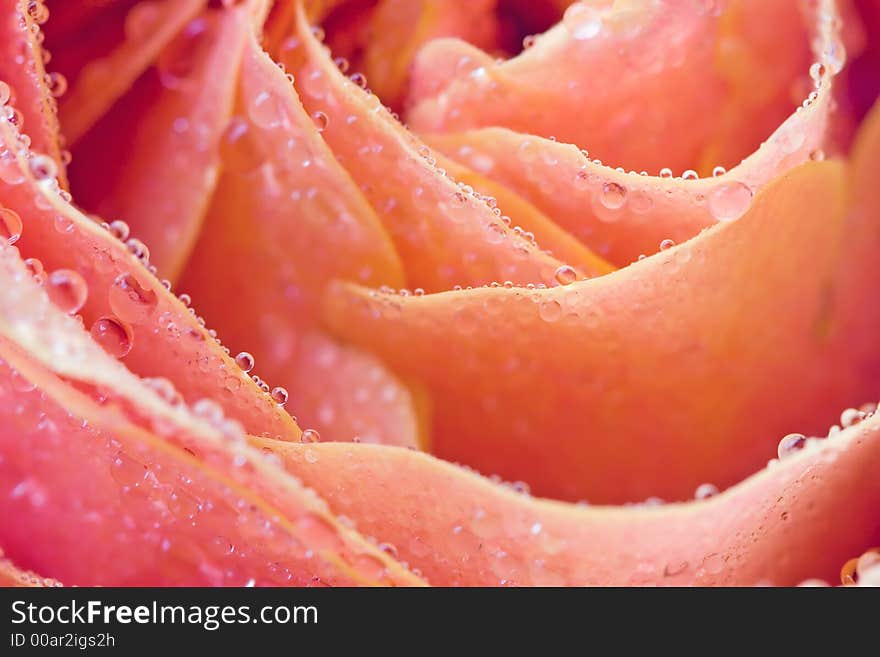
x: 67, y: 289
x: 550, y: 310
x: 613, y: 195
x: 583, y: 22
x: 57, y: 84
x: 667, y: 244
x: 10, y: 226
x: 310, y: 436
x: 279, y: 395
x: 130, y: 301
x: 119, y: 229
x: 566, y: 274
x: 790, y: 444
x: 266, y: 110
x: 321, y: 120
x: 245, y: 361
x: 113, y: 336
x: 705, y: 491
x: 43, y: 167
x: 35, y: 267
x: 850, y: 417
x: 730, y: 201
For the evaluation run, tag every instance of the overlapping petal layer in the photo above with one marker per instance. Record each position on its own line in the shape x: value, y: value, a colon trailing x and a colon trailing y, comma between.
x: 700, y: 357
x: 277, y: 201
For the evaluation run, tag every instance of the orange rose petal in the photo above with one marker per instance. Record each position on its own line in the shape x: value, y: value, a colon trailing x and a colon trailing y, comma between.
x: 13, y: 577
x: 699, y: 90
x: 148, y: 29
x: 278, y: 25
x: 160, y: 180
x: 795, y: 520
x: 557, y: 241
x: 168, y: 496
x: 864, y: 73
x: 399, y: 27
x: 699, y: 357
x: 291, y: 219
x: 346, y: 394
x: 318, y: 10
x: 440, y: 62
x: 624, y: 215
x: 23, y: 73
x: 444, y: 235
x: 126, y: 306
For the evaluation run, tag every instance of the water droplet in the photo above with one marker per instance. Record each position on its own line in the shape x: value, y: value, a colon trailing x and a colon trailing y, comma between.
x: 321, y: 120
x: 67, y: 289
x: 63, y: 224
x: 389, y: 549
x: 868, y: 561
x: 267, y: 110
x: 848, y: 574
x: 813, y: 583
x: 713, y: 563
x: 35, y: 267
x: 43, y: 167
x: 138, y: 249
x: 718, y: 171
x: 57, y: 84
x: 5, y: 93
x: 851, y: 417
x: 705, y: 491
x: 310, y: 436
x: 690, y: 174
x: 119, y: 229
x: 641, y: 201
x: 790, y: 444
x: 360, y: 80
x: 666, y: 172
x: 38, y: 11
x: 10, y: 226
x: 730, y: 201
x: 667, y: 244
x: 130, y: 301
x: 613, y: 195
x: 550, y: 310
x: 582, y: 21
x: 675, y: 568
x: 834, y: 55
x: 113, y: 336
x: 817, y: 71
x: 279, y: 395
x: 245, y: 361
x: 126, y: 471
x: 566, y: 274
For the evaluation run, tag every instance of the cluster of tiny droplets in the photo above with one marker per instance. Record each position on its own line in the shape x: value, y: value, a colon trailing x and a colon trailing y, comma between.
x: 66, y: 287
